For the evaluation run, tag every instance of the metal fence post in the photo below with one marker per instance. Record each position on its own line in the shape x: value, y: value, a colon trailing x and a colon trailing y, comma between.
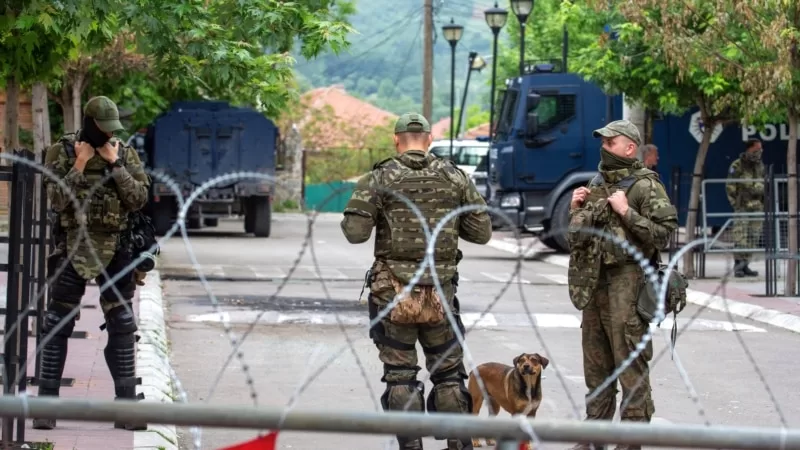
x: 675, y: 192
x: 770, y: 233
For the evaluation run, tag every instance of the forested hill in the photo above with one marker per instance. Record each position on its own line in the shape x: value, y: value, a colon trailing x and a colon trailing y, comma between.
x: 384, y: 63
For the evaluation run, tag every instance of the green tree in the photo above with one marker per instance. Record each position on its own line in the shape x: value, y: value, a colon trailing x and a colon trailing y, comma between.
x: 544, y: 32
x: 35, y: 36
x: 635, y: 64
x: 754, y: 42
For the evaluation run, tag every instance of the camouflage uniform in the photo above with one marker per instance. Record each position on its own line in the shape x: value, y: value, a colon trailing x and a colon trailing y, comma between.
x: 604, y: 280
x: 437, y: 187
x: 746, y: 197
x: 105, y: 218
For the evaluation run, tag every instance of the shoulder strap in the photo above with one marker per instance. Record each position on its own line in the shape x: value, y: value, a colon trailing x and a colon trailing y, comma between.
x: 68, y: 144
x: 382, y: 162
x: 596, y: 181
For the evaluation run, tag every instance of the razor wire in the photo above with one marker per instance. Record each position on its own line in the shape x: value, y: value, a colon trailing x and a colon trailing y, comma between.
x: 53, y: 180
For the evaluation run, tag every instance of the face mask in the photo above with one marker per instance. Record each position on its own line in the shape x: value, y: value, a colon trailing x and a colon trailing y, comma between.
x: 92, y: 134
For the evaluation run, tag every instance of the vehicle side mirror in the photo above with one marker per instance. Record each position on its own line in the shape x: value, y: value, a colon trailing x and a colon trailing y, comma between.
x: 531, y: 125
x: 532, y: 101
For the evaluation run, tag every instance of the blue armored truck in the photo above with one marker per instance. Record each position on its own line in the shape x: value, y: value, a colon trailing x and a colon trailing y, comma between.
x: 543, y: 149
x: 194, y: 143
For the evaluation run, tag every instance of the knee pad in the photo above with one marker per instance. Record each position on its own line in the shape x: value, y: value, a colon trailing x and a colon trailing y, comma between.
x: 404, y: 396
x: 69, y: 287
x: 449, y: 393
x: 53, y: 318
x: 120, y: 320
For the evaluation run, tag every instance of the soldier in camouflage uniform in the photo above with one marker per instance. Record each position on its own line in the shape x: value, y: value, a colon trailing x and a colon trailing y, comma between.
x: 437, y: 187
x: 82, y: 160
x: 746, y: 197
x: 628, y: 201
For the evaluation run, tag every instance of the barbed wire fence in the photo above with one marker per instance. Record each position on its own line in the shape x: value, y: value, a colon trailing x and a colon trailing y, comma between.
x: 28, y: 293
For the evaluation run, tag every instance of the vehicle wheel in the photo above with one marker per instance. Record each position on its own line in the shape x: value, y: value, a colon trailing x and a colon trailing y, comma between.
x: 262, y: 216
x: 193, y: 224
x: 249, y: 215
x: 211, y: 222
x: 162, y: 218
x: 558, y: 225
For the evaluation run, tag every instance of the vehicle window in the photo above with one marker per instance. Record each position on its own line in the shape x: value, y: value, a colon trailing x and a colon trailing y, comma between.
x: 554, y: 109
x: 506, y: 119
x: 470, y: 156
x: 463, y: 155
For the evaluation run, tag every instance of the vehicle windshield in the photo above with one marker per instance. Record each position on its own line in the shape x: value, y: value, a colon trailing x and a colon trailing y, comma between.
x: 463, y: 155
x: 505, y: 120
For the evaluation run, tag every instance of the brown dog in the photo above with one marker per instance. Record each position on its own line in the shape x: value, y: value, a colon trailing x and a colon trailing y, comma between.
x: 517, y: 389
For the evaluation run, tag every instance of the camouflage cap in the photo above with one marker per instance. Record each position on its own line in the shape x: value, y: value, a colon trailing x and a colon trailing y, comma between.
x: 105, y: 112
x: 412, y: 122
x: 620, y: 128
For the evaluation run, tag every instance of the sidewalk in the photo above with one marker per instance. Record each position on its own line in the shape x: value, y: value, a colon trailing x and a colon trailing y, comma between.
x: 86, y: 365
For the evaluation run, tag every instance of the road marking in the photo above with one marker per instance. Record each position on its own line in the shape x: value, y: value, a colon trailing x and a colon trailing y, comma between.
x: 325, y: 272
x: 215, y: 271
x: 557, y: 320
x: 267, y: 272
x: 500, y: 278
x: 554, y: 277
x: 470, y: 319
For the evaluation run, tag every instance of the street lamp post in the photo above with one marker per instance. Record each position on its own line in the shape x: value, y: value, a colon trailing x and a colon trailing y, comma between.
x: 522, y: 9
x: 476, y: 63
x: 496, y: 19
x: 452, y: 33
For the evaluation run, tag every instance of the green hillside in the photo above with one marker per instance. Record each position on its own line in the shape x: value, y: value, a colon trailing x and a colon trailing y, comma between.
x: 384, y: 65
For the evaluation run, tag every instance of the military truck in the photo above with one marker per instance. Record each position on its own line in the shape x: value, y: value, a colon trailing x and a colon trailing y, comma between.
x: 194, y: 143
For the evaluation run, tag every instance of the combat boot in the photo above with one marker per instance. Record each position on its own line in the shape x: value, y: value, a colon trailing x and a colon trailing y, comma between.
x: 748, y: 272
x: 738, y: 268
x: 125, y: 390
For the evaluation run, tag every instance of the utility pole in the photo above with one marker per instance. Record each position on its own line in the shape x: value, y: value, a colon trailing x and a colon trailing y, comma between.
x: 427, y: 61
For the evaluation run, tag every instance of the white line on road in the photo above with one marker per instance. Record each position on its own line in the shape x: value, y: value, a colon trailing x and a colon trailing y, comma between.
x: 268, y: 272
x: 503, y: 279
x: 554, y: 277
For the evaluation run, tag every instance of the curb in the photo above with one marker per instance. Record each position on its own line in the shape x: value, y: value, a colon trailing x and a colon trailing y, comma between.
x: 152, y: 364
x: 745, y: 310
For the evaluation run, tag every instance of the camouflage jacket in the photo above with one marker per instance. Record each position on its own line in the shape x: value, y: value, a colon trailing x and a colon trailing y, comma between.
x: 436, y: 187
x: 744, y: 195
x: 647, y: 225
x: 109, y: 196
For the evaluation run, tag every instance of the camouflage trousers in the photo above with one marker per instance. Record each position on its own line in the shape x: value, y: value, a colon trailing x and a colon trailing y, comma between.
x: 610, y: 330
x: 747, y: 235
x: 396, y: 344
x: 69, y: 286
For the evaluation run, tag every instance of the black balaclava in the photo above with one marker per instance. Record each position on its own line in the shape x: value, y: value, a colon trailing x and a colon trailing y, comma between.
x: 92, y: 134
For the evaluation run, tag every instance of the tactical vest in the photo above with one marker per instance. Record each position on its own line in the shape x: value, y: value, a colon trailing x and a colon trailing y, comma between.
x: 586, y: 261
x: 105, y: 212
x: 400, y: 239
x: 613, y: 255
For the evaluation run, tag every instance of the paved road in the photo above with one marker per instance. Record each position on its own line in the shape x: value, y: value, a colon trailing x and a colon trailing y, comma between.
x: 297, y: 332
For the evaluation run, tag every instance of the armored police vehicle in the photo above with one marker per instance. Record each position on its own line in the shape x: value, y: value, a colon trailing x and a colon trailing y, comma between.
x: 195, y: 144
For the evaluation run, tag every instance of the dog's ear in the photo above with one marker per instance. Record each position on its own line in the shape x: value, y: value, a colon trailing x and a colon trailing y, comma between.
x: 517, y: 358
x: 542, y: 360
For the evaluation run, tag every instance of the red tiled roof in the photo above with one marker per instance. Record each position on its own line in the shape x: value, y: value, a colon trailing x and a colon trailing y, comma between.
x: 441, y: 129
x: 480, y: 130
x: 349, y: 116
